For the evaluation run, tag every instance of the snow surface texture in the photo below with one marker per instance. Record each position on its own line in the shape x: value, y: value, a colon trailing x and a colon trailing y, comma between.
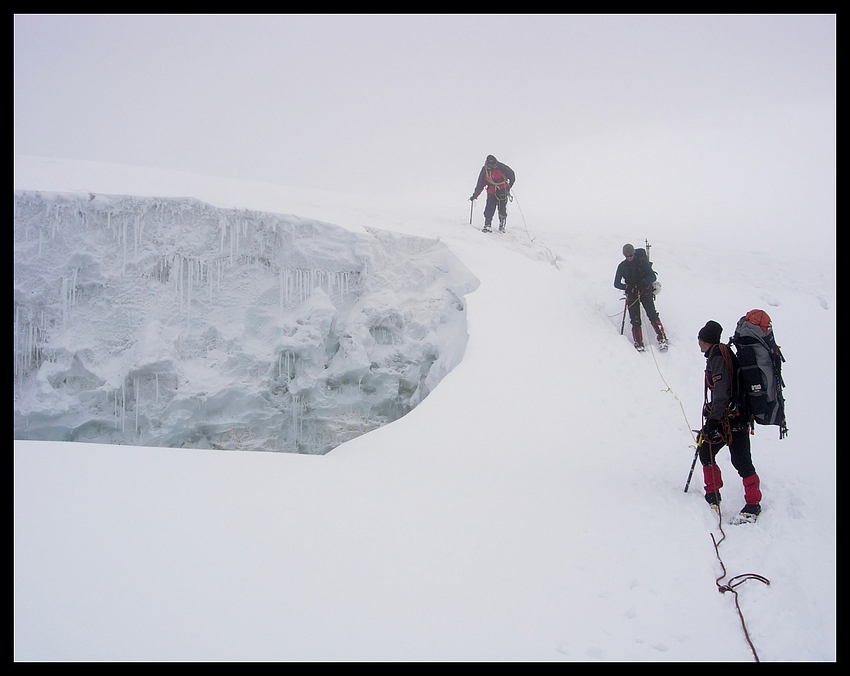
x: 170, y: 322
x: 531, y: 508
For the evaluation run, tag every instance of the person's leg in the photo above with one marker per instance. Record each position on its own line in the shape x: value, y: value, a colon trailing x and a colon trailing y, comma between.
x: 634, y: 318
x: 710, y: 471
x: 742, y: 461
x: 503, y: 212
x: 489, y: 210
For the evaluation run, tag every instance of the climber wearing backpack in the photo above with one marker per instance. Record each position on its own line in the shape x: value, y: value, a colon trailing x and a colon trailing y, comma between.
x: 635, y: 276
x: 498, y: 179
x: 726, y: 422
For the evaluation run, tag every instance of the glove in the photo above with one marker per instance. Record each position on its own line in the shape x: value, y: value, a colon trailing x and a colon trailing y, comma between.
x: 473, y: 198
x: 711, y: 432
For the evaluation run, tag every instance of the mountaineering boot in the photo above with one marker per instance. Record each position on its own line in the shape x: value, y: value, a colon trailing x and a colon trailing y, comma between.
x: 659, y: 333
x: 487, y: 228
x: 713, y: 500
x: 752, y: 490
x: 637, y: 336
x: 749, y: 514
x: 713, y: 483
x: 502, y: 224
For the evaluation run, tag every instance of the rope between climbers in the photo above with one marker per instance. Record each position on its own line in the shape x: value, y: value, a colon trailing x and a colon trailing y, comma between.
x: 533, y: 240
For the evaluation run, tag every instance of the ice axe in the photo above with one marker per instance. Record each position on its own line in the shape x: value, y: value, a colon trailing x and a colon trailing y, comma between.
x: 623, y: 325
x: 694, y: 463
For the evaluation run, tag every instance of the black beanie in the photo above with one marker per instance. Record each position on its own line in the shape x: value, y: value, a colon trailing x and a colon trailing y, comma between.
x: 710, y: 333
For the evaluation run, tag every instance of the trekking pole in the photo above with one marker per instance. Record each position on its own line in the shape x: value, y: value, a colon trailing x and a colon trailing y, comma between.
x: 694, y: 463
x: 471, y: 207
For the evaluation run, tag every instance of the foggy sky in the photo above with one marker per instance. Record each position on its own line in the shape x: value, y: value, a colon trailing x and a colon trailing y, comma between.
x: 661, y: 119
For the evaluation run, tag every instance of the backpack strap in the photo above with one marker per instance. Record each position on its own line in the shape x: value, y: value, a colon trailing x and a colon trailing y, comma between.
x: 726, y: 353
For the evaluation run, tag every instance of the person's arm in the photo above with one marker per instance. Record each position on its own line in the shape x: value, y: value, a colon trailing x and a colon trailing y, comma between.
x: 618, y: 278
x: 721, y: 390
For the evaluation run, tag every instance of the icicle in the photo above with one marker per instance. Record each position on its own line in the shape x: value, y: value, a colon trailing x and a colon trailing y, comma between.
x: 189, y: 293
x: 124, y: 238
x: 32, y: 347
x: 136, y: 391
x: 296, y: 421
x: 137, y: 236
x: 64, y: 302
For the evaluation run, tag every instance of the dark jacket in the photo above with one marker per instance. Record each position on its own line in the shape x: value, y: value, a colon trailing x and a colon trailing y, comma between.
x: 500, y: 178
x: 721, y: 374
x: 634, y: 275
x: 718, y: 381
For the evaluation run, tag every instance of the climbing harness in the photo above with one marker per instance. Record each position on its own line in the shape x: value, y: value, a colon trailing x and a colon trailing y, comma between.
x: 497, y: 184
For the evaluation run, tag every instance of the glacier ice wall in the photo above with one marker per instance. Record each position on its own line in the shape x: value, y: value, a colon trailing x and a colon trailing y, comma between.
x: 170, y: 322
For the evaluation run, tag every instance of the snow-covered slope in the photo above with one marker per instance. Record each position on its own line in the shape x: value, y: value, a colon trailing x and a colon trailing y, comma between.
x: 531, y: 508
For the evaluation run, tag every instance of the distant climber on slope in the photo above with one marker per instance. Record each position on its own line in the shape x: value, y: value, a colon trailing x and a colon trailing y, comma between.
x: 498, y: 178
x: 636, y: 277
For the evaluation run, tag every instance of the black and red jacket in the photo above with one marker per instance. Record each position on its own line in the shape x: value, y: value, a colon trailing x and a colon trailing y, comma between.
x: 498, y: 178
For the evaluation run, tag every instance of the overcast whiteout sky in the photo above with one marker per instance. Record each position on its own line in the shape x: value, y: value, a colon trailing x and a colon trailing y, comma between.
x: 684, y: 122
